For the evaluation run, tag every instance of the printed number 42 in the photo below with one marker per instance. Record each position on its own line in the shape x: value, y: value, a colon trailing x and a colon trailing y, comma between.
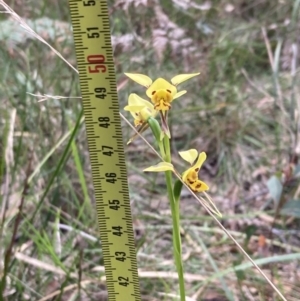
x: 123, y: 281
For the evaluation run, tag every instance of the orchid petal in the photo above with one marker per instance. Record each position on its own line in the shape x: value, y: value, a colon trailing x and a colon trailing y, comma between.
x: 135, y: 99
x: 201, y: 159
x: 162, y: 166
x: 139, y: 107
x: 141, y: 79
x: 132, y: 108
x: 178, y: 94
x: 189, y: 155
x: 178, y: 79
x: 134, y: 111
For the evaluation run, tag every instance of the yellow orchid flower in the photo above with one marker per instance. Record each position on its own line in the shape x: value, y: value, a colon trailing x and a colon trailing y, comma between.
x: 190, y: 176
x: 161, y: 92
x: 140, y: 109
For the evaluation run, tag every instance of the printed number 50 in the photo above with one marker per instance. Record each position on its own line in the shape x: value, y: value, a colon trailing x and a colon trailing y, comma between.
x: 96, y: 59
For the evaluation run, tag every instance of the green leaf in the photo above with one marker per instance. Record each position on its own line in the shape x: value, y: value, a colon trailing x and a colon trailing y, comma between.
x: 177, y: 190
x: 275, y: 189
x: 291, y: 208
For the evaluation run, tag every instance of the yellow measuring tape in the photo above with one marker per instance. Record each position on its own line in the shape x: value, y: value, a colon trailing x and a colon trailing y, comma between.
x: 91, y: 30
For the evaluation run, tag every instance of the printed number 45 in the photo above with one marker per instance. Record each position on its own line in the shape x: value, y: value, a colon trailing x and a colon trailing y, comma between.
x: 89, y: 3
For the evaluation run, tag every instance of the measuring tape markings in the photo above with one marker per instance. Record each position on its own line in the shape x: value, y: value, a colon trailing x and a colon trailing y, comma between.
x: 95, y: 62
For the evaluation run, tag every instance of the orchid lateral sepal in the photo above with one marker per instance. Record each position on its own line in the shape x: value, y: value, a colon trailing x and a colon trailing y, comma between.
x: 140, y: 130
x: 164, y: 123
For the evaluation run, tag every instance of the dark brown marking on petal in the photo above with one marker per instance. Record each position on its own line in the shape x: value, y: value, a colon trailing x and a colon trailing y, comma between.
x: 197, y: 169
x: 153, y: 92
x: 198, y: 186
x: 169, y: 91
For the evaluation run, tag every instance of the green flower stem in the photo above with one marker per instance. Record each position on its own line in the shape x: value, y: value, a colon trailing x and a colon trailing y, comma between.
x: 162, y: 149
x: 175, y: 219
